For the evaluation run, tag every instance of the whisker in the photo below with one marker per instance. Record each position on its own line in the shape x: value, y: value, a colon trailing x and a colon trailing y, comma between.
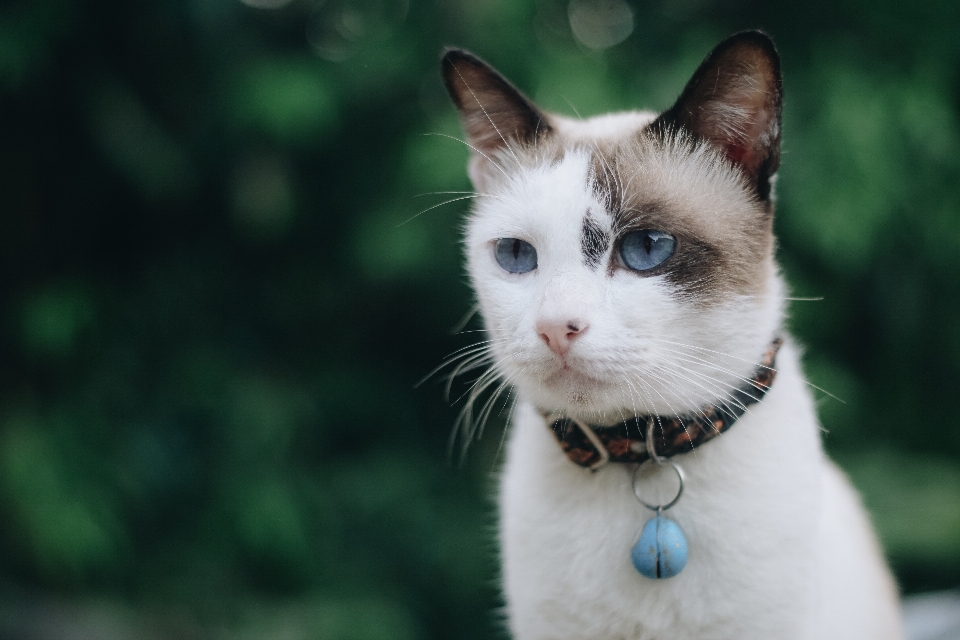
x: 453, y: 357
x: 509, y: 421
x: 489, y: 159
x: 719, y: 353
x: 450, y: 201
x: 695, y: 360
x: 465, y: 423
x: 489, y: 119
x: 672, y: 410
x: 458, y: 328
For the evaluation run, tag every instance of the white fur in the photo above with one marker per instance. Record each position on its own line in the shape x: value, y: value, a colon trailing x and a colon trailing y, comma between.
x: 779, y: 545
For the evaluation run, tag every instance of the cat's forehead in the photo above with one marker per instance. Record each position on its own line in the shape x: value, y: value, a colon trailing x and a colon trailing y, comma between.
x: 606, y: 129
x: 546, y: 202
x: 615, y: 167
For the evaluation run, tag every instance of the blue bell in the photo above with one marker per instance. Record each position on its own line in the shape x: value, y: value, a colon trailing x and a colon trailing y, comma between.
x: 661, y: 551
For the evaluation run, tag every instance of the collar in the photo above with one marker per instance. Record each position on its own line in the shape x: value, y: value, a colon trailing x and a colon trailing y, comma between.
x: 632, y: 441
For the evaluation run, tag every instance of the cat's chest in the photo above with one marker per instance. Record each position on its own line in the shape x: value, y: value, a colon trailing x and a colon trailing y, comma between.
x: 748, y: 513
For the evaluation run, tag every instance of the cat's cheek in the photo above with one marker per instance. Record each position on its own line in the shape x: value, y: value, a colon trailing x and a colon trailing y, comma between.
x: 505, y: 305
x: 644, y: 305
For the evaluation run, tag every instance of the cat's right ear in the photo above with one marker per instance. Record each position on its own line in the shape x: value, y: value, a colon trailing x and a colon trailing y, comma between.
x: 495, y: 115
x: 734, y: 102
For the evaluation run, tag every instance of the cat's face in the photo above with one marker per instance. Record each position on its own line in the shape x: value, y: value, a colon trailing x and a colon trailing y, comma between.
x: 623, y: 264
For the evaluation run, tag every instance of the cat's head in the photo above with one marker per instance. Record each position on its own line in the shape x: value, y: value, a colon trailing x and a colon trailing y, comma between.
x: 624, y: 263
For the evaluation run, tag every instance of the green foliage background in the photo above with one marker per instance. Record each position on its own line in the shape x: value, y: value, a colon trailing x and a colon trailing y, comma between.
x: 213, y: 314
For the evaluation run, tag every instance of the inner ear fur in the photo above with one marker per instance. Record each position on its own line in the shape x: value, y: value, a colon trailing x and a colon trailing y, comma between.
x: 495, y: 114
x: 734, y: 102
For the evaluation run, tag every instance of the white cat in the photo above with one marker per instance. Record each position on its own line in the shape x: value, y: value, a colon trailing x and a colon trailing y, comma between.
x: 624, y: 268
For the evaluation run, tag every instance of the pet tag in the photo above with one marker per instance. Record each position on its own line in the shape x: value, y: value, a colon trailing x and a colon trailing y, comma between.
x: 661, y: 549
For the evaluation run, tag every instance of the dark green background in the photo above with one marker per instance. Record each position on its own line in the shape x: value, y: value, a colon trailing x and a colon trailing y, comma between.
x: 213, y: 316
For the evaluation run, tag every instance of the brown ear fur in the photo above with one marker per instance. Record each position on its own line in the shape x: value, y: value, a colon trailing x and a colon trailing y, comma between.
x: 734, y: 102
x: 495, y: 114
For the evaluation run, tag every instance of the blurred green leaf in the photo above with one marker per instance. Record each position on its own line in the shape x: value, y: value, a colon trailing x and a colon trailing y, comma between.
x: 290, y: 100
x: 53, y: 319
x: 65, y: 523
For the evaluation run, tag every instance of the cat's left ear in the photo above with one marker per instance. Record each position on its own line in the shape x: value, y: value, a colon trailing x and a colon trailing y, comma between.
x: 496, y: 115
x: 734, y: 102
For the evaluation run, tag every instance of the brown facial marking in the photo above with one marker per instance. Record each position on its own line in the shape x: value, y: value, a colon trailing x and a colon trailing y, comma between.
x: 724, y: 240
x: 699, y: 172
x: 593, y: 241
x: 694, y: 266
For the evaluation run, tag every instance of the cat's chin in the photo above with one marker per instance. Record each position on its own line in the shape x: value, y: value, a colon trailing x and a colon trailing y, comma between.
x: 600, y: 400
x: 572, y: 392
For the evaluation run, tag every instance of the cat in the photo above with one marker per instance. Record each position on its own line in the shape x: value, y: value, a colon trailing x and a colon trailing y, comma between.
x: 624, y: 269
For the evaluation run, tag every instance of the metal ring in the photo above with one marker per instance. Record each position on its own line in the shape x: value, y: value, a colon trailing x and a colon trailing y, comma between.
x: 659, y: 507
x: 651, y: 449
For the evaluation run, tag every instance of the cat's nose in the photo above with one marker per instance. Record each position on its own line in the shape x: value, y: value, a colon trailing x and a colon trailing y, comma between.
x: 559, y: 336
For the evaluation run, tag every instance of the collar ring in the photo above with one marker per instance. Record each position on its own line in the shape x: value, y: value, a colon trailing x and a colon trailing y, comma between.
x: 659, y: 507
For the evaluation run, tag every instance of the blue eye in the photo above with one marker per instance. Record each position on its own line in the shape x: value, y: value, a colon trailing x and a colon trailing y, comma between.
x: 516, y: 256
x: 643, y: 250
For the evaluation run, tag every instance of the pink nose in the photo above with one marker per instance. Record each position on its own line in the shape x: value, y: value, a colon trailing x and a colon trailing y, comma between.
x: 559, y: 336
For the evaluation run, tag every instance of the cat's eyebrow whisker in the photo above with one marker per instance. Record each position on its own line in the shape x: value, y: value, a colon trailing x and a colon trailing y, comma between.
x: 489, y: 119
x: 580, y: 117
x: 450, y: 201
x: 476, y: 194
x: 475, y: 150
x: 608, y: 168
x: 447, y: 193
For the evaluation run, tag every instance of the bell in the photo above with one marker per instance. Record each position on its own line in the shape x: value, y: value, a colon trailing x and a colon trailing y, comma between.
x: 661, y: 550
